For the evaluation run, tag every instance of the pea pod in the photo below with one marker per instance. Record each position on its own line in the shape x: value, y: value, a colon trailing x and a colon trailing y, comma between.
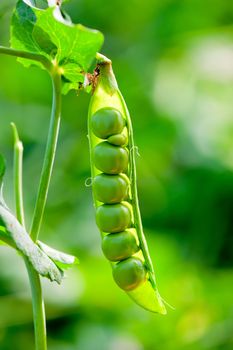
x: 112, y: 152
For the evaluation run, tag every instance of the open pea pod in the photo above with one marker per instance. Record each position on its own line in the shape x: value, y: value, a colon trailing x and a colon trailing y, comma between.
x: 115, y: 191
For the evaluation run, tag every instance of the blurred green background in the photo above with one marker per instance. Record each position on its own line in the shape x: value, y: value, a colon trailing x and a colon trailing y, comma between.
x: 174, y: 64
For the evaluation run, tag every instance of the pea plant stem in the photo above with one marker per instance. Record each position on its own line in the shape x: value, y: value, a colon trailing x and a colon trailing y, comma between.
x: 39, y: 316
x: 27, y: 55
x: 35, y: 284
x: 49, y: 157
x: 18, y: 173
x: 52, y: 136
x: 34, y: 279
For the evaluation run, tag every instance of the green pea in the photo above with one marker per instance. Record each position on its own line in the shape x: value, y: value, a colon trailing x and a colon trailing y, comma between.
x: 106, y: 122
x: 119, y: 246
x: 110, y: 159
x: 129, y: 273
x: 110, y: 189
x: 113, y: 217
x: 118, y: 140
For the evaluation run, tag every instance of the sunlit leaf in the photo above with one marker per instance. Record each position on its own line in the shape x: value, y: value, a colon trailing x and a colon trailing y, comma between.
x: 39, y: 260
x: 49, y: 32
x: 62, y: 260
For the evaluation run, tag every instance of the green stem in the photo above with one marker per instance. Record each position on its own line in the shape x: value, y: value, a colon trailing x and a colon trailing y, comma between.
x: 49, y: 157
x: 37, y: 299
x: 39, y: 316
x: 18, y: 173
x: 27, y: 55
x: 35, y: 284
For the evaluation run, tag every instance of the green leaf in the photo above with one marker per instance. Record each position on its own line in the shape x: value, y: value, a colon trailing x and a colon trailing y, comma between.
x: 72, y: 73
x: 42, y: 4
x: 39, y: 260
x: 26, y: 36
x: 76, y: 44
x: 62, y: 260
x: 48, y: 32
x: 67, y: 86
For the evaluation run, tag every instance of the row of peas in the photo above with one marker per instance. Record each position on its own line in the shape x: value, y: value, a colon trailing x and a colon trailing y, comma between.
x: 112, y: 188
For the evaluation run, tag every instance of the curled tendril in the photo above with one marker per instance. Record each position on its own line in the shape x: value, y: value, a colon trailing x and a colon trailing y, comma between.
x: 89, y: 182
x: 136, y: 150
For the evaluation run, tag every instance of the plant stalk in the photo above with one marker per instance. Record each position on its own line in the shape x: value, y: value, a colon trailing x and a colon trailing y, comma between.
x: 27, y: 55
x: 39, y: 316
x: 35, y: 284
x: 18, y: 174
x: 49, y: 157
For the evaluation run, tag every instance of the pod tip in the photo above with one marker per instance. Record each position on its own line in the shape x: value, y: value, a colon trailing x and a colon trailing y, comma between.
x: 101, y: 59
